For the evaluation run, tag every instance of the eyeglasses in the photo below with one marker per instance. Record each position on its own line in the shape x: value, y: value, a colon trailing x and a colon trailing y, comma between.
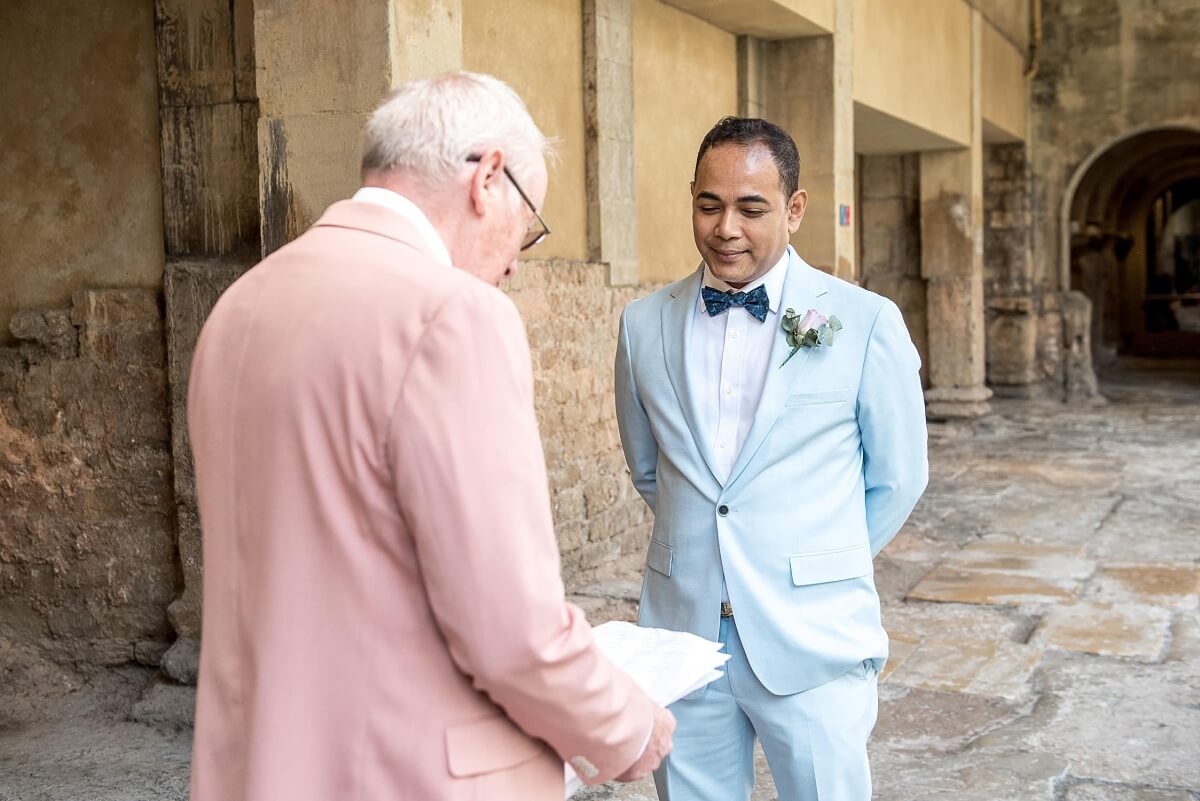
x: 533, y: 235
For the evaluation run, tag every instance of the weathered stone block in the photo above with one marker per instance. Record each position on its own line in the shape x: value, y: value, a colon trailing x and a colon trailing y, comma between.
x: 195, y: 60
x: 191, y: 290
x: 1012, y: 349
x: 210, y: 178
x: 104, y: 307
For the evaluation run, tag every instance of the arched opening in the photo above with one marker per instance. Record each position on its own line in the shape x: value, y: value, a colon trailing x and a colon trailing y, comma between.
x: 1133, y: 227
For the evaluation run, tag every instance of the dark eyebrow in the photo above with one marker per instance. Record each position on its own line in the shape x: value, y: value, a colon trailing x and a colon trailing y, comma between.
x: 742, y: 199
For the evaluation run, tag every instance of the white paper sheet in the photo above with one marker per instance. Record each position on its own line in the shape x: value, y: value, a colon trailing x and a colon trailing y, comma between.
x: 667, y: 665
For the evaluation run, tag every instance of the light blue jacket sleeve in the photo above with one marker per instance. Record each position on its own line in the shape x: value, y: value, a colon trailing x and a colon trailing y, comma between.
x: 637, y: 440
x: 891, y: 418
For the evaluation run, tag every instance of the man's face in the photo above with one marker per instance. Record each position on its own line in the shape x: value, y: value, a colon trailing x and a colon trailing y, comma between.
x: 505, y: 224
x: 740, y: 216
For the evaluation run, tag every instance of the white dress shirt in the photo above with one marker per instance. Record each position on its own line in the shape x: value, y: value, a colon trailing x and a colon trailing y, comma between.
x: 411, y: 212
x: 727, y: 366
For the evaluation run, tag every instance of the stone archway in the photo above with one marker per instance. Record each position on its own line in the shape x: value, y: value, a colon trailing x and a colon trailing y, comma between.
x: 1115, y: 212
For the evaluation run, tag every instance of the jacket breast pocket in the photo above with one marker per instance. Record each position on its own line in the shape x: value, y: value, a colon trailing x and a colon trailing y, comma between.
x: 814, y: 398
x: 486, y: 746
x: 823, y: 567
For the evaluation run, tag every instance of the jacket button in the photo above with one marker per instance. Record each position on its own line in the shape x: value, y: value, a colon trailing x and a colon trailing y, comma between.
x: 722, y: 510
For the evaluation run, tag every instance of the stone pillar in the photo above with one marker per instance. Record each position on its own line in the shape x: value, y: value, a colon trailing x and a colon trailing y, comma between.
x: 752, y: 100
x: 322, y: 71
x: 890, y: 259
x: 810, y: 93
x: 208, y: 111
x: 952, y: 264
x: 1013, y: 302
x: 608, y: 131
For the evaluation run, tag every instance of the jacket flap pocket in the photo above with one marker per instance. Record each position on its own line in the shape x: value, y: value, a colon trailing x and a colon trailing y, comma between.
x: 660, y: 557
x: 826, y: 566
x: 809, y: 398
x: 487, y: 745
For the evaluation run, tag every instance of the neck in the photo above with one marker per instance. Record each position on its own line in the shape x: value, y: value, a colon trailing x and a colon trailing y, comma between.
x: 435, y: 204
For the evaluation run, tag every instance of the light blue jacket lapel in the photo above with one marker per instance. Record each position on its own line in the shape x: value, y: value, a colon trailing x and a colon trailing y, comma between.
x: 800, y: 290
x: 678, y: 315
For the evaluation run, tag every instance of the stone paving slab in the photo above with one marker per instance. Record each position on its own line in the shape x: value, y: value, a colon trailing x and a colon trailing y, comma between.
x: 997, y: 669
x: 1129, y: 630
x: 1144, y: 529
x: 955, y: 585
x: 1110, y: 721
x: 923, y: 721
x: 1034, y: 560
x: 1092, y: 791
x: 957, y: 621
x: 1171, y: 585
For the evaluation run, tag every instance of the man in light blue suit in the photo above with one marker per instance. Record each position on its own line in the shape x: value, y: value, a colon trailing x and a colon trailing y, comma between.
x: 772, y: 418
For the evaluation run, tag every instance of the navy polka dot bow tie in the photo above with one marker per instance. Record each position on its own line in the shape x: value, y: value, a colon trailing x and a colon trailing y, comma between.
x: 755, y: 301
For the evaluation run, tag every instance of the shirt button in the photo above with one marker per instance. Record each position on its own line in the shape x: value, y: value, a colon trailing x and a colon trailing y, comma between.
x: 733, y: 334
x: 721, y: 444
x: 722, y: 510
x: 728, y: 389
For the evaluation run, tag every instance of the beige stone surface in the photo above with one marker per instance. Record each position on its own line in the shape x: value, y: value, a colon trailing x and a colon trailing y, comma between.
x: 1005, y: 88
x: 524, y: 43
x: 894, y: 63
x: 809, y: 94
x: 80, y: 186
x: 1032, y: 560
x: 1129, y: 630
x: 767, y: 19
x: 684, y: 80
x: 977, y: 587
x: 977, y: 667
x: 1175, y: 586
x: 312, y: 61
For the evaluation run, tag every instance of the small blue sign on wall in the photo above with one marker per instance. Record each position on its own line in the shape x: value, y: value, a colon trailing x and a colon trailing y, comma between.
x: 843, y: 214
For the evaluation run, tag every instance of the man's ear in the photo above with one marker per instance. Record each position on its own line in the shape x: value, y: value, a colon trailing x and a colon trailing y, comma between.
x: 796, y: 206
x: 485, y: 181
x: 692, y: 189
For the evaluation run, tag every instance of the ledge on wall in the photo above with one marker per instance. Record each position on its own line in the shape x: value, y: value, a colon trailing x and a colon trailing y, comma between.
x: 766, y: 19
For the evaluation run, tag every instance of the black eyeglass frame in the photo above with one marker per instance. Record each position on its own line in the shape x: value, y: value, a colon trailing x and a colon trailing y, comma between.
x: 545, y: 228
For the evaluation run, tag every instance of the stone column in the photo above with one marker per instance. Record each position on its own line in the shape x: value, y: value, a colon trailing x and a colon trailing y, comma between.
x: 608, y: 132
x: 322, y: 70
x: 952, y: 265
x: 810, y: 93
x: 751, y: 77
x: 208, y: 110
x: 1013, y: 307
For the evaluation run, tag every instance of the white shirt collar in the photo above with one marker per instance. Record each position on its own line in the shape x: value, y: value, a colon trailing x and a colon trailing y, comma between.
x: 772, y: 280
x: 411, y: 212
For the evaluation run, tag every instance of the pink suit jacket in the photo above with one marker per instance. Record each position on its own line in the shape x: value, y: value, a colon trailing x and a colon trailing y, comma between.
x: 383, y: 611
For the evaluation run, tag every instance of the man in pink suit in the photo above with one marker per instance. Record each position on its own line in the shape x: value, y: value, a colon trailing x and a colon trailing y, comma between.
x: 383, y: 612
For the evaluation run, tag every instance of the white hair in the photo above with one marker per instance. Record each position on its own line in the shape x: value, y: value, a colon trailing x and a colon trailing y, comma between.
x: 430, y: 126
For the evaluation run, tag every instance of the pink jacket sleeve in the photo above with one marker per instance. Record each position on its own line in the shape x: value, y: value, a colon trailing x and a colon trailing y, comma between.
x: 470, y: 480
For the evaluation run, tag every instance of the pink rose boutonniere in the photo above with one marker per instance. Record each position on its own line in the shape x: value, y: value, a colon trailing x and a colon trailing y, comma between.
x: 813, y: 330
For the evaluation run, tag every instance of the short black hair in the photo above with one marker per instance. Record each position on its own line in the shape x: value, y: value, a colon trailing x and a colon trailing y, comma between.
x: 750, y: 131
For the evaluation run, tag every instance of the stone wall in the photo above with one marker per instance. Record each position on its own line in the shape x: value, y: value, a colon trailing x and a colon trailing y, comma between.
x: 890, y: 230
x: 571, y: 316
x: 79, y: 170
x: 87, y: 545
x: 1013, y: 301
x: 1106, y: 68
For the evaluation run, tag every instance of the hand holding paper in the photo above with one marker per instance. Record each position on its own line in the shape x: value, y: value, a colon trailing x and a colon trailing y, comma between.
x: 667, y: 665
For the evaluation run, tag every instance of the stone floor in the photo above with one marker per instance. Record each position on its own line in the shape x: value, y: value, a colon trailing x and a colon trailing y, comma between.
x: 1042, y: 603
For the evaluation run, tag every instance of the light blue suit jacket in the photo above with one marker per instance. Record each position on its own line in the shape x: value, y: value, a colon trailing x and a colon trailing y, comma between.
x: 833, y: 465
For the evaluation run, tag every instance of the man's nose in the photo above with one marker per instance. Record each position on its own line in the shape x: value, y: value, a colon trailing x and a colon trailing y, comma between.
x: 727, y: 227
